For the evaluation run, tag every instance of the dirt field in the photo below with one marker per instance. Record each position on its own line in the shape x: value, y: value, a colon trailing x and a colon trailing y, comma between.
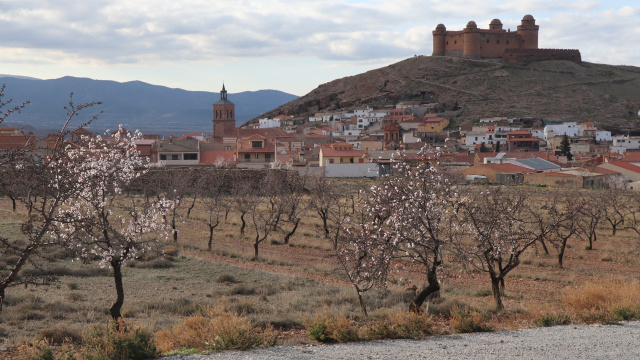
x: 288, y: 284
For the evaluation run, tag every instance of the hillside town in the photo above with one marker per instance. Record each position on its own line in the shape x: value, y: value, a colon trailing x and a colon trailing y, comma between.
x: 366, y: 142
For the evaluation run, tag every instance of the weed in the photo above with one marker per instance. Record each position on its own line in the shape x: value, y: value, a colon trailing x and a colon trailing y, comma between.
x: 116, y: 342
x: 326, y: 328
x: 607, y: 259
x: 468, y: 321
x: 217, y: 329
x: 226, y: 279
x: 624, y: 313
x: 550, y: 320
x: 59, y: 335
x: 73, y: 286
x: 483, y: 293
x: 242, y: 290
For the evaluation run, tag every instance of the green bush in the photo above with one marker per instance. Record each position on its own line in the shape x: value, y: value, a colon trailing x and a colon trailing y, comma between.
x: 550, y: 320
x: 624, y: 313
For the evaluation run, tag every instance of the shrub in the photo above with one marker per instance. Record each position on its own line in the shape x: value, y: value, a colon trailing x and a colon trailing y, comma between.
x: 400, y: 325
x: 550, y: 320
x: 605, y: 301
x: 59, y: 335
x: 116, y: 342
x: 217, y: 329
x: 158, y: 263
x: 73, y: 286
x: 624, y: 313
x: 226, y: 279
x: 326, y: 328
x: 468, y: 321
x: 242, y: 290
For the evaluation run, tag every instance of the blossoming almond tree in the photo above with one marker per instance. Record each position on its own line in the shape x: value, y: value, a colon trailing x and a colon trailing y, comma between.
x: 100, y: 221
x: 45, y: 182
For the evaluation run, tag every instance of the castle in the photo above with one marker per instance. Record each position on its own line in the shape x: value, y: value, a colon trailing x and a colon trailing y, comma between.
x: 516, y: 47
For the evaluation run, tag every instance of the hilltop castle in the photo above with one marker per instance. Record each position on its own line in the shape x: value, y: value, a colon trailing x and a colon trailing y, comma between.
x: 513, y: 47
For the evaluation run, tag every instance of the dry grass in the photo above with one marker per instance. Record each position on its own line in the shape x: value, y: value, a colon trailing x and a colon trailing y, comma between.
x: 216, y: 329
x: 604, y: 301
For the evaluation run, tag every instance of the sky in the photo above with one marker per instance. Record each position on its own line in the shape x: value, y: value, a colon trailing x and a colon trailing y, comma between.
x: 288, y: 45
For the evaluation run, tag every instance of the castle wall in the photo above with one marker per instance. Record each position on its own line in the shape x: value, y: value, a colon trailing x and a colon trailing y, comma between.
x: 525, y: 56
x: 489, y: 44
x: 454, y: 43
x: 493, y: 45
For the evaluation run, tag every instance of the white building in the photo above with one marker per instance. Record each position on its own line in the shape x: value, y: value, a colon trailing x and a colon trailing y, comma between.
x: 602, y: 135
x: 626, y: 142
x: 569, y: 128
x: 267, y: 123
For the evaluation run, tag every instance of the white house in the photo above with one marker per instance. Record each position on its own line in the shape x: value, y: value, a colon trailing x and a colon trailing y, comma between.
x: 602, y: 135
x: 569, y: 128
x: 267, y: 123
x: 626, y: 142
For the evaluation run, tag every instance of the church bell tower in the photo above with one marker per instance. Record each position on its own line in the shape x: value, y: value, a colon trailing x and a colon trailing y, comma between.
x: 224, y: 121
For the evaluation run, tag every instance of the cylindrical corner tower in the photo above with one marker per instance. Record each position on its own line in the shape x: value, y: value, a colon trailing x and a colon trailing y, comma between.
x: 495, y: 24
x: 439, y: 38
x: 471, y: 41
x: 528, y: 31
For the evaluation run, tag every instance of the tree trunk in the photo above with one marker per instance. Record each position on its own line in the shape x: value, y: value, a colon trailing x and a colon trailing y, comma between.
x: 432, y: 287
x: 495, y: 290
x: 544, y: 246
x: 2, y: 287
x: 290, y: 234
x: 117, y: 277
x: 244, y: 224
x: 255, y: 250
x: 363, y: 307
x: 193, y: 204
x: 13, y: 203
x: 210, y: 237
x: 175, y: 231
x: 561, y: 252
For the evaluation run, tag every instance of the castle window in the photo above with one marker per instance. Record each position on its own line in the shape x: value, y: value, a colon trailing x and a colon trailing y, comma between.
x: 497, y: 41
x: 487, y: 41
x: 455, y: 42
x: 507, y: 42
x: 447, y: 43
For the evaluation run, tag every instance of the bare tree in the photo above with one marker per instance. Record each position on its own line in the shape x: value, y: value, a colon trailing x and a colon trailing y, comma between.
x: 590, y: 215
x: 616, y: 207
x: 496, y: 234
x: 564, y: 214
x: 322, y: 198
x: 263, y: 213
x: 212, y: 196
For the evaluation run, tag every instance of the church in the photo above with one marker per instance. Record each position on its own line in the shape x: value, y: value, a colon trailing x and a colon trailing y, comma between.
x: 253, y: 147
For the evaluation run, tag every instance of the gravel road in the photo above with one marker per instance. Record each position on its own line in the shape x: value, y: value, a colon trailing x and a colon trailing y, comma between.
x: 560, y: 342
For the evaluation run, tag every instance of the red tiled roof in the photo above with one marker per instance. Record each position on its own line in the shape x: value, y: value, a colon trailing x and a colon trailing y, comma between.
x: 602, y: 170
x: 215, y: 156
x: 626, y: 166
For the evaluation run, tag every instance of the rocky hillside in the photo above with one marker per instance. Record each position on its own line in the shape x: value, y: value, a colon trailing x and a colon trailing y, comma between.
x: 553, y: 90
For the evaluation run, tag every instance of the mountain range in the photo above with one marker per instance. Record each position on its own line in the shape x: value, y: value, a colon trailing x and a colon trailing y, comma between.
x: 136, y: 105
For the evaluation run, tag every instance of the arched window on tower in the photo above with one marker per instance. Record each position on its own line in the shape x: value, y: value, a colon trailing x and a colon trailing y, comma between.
x: 231, y: 113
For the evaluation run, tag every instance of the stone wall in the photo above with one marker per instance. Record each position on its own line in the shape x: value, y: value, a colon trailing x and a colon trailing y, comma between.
x: 525, y: 56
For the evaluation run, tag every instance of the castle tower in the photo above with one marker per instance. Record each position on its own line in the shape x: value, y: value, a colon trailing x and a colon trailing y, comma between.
x: 495, y: 24
x: 224, y: 121
x: 471, y: 41
x: 439, y: 38
x: 528, y: 31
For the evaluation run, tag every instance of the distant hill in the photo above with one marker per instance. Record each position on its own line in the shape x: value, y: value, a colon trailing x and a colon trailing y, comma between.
x: 553, y: 90
x: 137, y: 105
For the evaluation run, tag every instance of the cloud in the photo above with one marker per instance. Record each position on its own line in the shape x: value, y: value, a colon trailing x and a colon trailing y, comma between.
x: 160, y: 31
